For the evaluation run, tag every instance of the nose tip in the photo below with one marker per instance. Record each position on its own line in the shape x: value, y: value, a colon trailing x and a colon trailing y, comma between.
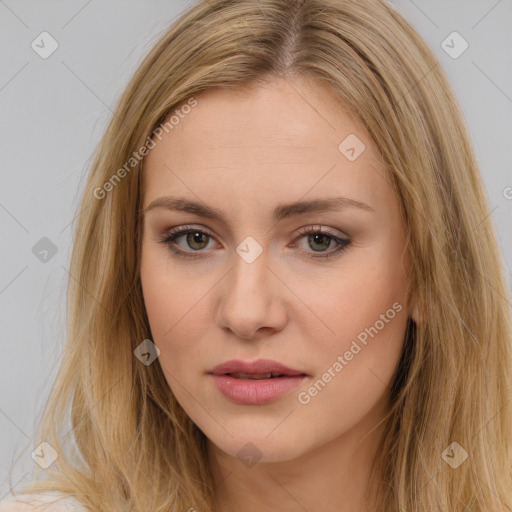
x: 246, y: 333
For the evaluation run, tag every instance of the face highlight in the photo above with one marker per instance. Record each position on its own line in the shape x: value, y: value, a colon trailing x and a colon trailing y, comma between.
x: 263, y: 238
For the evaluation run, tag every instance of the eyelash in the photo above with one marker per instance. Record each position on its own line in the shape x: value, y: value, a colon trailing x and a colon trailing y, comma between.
x: 170, y: 237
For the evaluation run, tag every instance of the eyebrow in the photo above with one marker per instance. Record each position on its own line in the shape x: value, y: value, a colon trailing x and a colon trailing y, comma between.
x: 281, y: 212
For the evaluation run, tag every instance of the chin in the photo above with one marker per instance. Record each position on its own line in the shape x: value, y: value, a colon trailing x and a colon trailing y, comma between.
x: 251, y: 449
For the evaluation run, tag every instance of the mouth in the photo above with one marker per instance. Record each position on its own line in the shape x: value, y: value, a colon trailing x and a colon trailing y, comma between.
x: 259, y: 376
x: 254, y: 383
x: 259, y: 369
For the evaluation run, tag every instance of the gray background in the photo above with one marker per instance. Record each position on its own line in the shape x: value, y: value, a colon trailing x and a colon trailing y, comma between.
x: 55, y: 110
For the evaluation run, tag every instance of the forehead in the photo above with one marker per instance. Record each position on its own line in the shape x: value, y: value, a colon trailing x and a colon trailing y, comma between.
x: 277, y: 140
x: 279, y: 114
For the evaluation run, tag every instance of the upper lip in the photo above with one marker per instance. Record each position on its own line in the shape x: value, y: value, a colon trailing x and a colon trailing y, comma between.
x: 259, y: 367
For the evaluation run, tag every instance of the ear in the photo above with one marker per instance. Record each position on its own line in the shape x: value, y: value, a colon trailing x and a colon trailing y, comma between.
x: 412, y: 308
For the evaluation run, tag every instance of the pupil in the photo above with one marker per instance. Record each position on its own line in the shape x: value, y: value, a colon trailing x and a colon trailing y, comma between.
x: 324, y: 238
x: 195, y: 238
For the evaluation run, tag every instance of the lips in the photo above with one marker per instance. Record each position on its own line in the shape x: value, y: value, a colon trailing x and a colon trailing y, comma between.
x: 255, y: 383
x: 239, y: 375
x: 260, y: 369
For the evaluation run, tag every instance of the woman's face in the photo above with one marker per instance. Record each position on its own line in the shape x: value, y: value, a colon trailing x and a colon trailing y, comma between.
x: 251, y: 283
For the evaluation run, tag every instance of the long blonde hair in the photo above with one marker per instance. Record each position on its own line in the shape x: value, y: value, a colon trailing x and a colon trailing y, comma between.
x: 129, y: 445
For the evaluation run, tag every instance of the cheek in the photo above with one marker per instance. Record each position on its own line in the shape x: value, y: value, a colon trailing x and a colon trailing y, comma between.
x: 179, y: 311
x: 365, y: 311
x: 173, y: 302
x: 358, y: 295
x: 356, y: 372
x: 355, y: 368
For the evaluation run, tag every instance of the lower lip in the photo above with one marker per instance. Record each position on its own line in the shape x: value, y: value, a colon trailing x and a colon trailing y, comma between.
x: 255, y: 391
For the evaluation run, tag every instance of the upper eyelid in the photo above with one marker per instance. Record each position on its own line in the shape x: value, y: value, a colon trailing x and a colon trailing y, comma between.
x: 182, y: 230
x: 179, y: 231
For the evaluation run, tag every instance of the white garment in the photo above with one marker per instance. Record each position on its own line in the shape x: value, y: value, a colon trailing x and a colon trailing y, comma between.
x: 53, y: 501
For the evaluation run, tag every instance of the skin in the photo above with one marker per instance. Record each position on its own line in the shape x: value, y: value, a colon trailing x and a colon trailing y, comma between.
x: 245, y: 151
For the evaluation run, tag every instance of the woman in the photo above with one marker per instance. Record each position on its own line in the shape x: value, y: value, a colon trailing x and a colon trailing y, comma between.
x: 287, y: 290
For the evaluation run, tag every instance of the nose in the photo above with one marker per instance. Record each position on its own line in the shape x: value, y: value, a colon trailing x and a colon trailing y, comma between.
x: 252, y: 301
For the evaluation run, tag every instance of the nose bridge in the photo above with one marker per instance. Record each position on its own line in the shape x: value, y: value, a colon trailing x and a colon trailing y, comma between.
x: 248, y: 300
x: 250, y: 266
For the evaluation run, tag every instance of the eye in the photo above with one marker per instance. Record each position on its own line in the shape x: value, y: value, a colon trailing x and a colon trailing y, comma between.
x: 197, y: 239
x: 316, y: 238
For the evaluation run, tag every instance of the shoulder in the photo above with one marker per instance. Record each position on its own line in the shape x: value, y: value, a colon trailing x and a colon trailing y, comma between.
x: 43, y: 502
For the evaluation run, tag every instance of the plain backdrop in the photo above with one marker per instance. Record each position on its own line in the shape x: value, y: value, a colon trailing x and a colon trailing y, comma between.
x: 54, y: 110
